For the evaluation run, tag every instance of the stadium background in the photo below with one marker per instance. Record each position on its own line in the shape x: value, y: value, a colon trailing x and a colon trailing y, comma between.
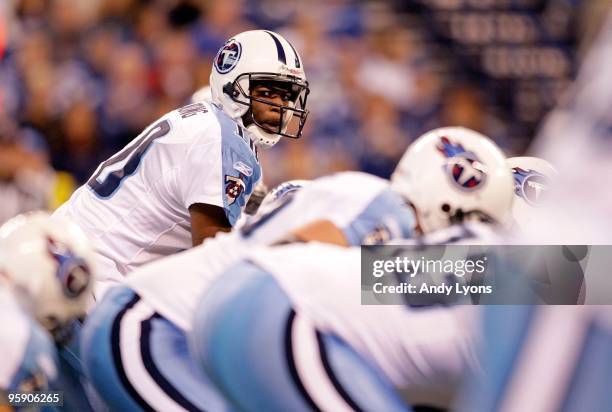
x: 80, y: 79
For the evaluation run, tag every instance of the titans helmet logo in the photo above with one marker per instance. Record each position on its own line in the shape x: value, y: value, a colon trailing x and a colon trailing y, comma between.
x: 227, y: 58
x: 463, y: 167
x: 530, y: 185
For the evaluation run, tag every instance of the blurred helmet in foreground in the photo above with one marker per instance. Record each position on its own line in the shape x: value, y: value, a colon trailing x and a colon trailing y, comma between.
x: 279, y: 193
x: 259, y: 194
x: 48, y: 263
x: 453, y: 173
x: 260, y: 56
x: 532, y: 181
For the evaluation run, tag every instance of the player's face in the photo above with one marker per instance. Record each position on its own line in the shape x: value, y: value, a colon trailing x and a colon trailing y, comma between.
x: 268, y: 116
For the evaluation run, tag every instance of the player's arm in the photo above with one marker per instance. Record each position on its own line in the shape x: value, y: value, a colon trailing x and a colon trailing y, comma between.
x: 368, y: 227
x: 207, y: 221
x: 318, y: 231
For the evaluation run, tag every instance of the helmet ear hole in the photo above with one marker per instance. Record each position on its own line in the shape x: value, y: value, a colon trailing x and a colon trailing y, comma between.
x: 230, y: 90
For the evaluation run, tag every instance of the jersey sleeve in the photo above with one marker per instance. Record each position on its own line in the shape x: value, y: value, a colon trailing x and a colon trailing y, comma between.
x: 220, y: 169
x: 384, y: 218
x: 241, y: 172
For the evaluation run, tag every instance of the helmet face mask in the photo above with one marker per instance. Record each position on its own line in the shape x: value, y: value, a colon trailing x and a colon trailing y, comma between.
x: 293, y: 114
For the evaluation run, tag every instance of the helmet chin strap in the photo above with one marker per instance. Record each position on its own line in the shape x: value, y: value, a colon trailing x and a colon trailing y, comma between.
x: 262, y: 138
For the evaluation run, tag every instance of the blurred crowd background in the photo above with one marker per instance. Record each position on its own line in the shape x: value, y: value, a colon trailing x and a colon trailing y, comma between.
x: 80, y: 79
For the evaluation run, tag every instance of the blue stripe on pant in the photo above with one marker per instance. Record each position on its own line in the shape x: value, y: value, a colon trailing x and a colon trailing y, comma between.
x: 509, y: 339
x: 242, y: 337
x: 162, y: 358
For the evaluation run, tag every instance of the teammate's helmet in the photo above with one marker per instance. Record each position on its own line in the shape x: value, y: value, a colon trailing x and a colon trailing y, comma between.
x: 281, y: 191
x: 452, y: 173
x: 260, y: 192
x: 48, y: 263
x: 532, y: 180
x: 260, y: 56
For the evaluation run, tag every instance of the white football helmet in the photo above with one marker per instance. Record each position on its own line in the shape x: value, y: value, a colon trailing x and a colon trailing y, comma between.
x: 48, y: 263
x: 260, y: 192
x: 281, y: 191
x: 260, y: 56
x: 452, y: 173
x: 532, y: 181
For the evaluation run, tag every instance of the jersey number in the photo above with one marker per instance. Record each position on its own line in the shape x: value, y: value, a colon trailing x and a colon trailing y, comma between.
x: 122, y: 165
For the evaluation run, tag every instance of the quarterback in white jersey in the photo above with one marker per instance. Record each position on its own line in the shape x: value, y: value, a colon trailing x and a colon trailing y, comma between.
x: 136, y: 207
x: 189, y: 175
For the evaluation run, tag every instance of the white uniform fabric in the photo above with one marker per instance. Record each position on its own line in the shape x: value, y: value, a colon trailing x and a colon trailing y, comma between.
x: 357, y: 203
x: 135, y: 206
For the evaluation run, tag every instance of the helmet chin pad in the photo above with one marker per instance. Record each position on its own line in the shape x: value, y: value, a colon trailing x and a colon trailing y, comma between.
x: 262, y: 139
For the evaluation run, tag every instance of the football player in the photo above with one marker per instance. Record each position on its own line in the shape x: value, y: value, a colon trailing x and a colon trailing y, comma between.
x: 46, y: 274
x: 295, y: 312
x: 189, y: 174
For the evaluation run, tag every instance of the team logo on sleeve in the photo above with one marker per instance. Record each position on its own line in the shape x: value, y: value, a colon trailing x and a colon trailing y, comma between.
x: 530, y: 185
x: 72, y: 271
x: 463, y: 167
x: 234, y: 187
x: 227, y: 58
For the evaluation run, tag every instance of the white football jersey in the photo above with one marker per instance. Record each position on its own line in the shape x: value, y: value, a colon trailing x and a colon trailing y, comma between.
x: 28, y: 355
x: 424, y: 352
x: 135, y: 206
x: 363, y: 206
